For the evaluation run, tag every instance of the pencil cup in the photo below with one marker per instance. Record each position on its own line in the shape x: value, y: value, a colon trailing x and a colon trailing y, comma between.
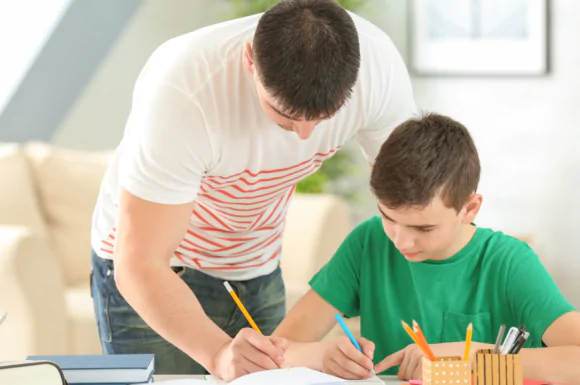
x: 446, y: 371
x: 497, y: 369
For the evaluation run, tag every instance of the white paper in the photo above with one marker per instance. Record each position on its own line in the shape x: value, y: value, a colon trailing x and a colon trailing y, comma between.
x: 287, y: 376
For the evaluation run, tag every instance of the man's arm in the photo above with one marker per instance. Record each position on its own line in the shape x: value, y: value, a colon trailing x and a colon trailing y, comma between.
x: 148, y: 234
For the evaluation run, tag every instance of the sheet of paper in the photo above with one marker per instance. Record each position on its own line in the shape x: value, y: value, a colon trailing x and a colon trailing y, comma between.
x: 287, y: 376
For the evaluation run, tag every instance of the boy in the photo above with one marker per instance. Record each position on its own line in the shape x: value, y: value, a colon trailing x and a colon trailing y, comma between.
x: 426, y: 260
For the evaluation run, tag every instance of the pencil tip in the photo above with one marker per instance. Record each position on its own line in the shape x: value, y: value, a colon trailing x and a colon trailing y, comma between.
x: 470, y: 326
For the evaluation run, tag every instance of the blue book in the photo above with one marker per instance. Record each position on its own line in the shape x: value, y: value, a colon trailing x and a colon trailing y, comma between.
x: 108, y: 369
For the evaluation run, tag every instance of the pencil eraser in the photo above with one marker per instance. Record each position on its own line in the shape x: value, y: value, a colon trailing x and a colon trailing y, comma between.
x: 415, y: 382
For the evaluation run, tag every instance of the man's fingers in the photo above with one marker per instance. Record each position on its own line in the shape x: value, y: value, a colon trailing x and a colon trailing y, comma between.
x: 263, y: 344
x: 390, y: 361
x: 368, y: 347
x: 256, y: 357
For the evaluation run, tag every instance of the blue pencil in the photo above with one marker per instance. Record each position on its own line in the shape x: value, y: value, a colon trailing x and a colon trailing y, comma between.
x: 350, y: 336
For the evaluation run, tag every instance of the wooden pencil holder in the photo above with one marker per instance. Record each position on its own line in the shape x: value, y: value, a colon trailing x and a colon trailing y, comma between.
x: 446, y: 371
x: 497, y: 369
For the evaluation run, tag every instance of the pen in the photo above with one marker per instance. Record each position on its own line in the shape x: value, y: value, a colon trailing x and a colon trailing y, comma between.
x: 350, y: 336
x: 509, y: 340
x: 519, y: 343
x: 499, y: 337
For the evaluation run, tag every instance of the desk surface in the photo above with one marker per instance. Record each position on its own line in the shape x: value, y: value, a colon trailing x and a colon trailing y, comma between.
x: 388, y: 380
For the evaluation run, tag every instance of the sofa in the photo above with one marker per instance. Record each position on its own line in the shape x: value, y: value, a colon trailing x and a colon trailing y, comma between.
x: 46, y: 204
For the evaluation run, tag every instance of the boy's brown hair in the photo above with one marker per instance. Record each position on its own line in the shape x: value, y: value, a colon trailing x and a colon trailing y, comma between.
x: 423, y: 157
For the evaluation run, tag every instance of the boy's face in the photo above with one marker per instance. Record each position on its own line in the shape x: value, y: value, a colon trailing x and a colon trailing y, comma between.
x: 432, y: 232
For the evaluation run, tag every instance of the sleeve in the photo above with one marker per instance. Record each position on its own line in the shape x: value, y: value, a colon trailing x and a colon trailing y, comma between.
x: 166, y: 148
x: 338, y: 282
x: 394, y: 102
x: 534, y: 298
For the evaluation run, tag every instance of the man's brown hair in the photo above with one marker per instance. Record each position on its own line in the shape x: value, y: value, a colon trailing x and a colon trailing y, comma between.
x: 307, y: 56
x: 425, y: 156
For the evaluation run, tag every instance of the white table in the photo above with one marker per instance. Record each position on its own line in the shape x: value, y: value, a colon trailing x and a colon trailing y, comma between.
x: 388, y: 380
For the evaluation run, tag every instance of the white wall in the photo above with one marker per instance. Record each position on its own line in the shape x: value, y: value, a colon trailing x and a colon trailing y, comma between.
x: 22, y: 36
x: 97, y: 119
x: 528, y: 134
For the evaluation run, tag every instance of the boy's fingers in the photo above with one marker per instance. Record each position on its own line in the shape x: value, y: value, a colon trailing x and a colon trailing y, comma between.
x: 390, y: 361
x: 368, y: 347
x: 352, y: 353
x: 281, y: 343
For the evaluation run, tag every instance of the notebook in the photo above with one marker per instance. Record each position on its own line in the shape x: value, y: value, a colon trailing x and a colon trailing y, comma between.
x: 286, y: 376
x: 110, y: 368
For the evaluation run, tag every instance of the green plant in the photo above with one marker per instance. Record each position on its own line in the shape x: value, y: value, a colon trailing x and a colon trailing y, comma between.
x: 250, y: 7
x: 341, y: 164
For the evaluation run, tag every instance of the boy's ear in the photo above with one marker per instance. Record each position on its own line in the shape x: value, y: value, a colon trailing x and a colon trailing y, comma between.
x: 472, y: 207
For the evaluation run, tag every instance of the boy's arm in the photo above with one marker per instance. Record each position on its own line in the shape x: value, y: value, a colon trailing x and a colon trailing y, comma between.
x: 305, y: 325
x: 559, y: 361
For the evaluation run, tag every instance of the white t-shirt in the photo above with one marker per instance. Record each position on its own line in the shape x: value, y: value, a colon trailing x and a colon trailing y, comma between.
x: 196, y: 132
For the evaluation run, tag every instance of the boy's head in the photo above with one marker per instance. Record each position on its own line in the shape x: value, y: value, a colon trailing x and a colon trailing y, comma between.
x: 305, y: 59
x: 425, y: 179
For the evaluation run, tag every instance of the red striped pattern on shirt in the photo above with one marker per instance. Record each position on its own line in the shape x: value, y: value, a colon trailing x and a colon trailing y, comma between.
x: 238, y: 220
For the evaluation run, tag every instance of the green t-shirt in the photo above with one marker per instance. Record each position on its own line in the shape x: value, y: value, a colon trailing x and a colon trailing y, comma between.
x: 494, y: 279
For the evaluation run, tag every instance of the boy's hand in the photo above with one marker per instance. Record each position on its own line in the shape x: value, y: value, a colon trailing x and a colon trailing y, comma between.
x: 249, y: 352
x: 342, y: 359
x: 409, y: 360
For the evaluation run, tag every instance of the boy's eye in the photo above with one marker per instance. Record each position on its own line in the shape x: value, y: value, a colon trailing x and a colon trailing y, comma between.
x: 425, y: 230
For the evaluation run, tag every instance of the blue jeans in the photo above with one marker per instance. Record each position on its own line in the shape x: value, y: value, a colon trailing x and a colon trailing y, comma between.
x: 123, y: 331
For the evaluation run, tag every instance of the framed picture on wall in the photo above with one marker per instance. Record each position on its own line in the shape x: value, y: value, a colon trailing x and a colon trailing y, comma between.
x: 479, y: 37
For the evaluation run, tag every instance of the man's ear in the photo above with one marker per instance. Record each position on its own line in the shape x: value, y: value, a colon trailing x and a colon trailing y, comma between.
x: 248, y: 58
x: 472, y: 207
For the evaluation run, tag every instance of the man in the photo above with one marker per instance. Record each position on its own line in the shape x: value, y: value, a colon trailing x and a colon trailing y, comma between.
x: 425, y: 260
x: 225, y: 120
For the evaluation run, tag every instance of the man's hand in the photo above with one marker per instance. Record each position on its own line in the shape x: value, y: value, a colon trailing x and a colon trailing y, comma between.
x: 340, y: 358
x: 248, y: 352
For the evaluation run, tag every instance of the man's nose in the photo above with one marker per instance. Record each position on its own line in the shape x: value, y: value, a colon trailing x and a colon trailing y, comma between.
x: 304, y: 129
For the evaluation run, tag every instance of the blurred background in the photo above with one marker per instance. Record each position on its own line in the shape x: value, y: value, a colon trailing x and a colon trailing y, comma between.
x: 508, y: 70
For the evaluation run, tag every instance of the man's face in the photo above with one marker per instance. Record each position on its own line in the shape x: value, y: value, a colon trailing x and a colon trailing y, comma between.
x: 431, y: 232
x: 303, y: 128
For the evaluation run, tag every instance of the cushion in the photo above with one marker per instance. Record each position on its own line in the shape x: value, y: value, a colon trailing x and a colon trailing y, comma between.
x: 18, y: 201
x: 83, y: 332
x: 68, y: 183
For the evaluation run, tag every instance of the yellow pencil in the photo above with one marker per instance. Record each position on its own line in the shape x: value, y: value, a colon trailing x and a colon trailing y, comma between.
x: 241, y: 306
x: 468, y: 341
x: 416, y: 339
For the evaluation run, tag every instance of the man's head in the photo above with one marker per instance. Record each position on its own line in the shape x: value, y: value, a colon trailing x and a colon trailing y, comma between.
x: 425, y: 179
x: 305, y: 60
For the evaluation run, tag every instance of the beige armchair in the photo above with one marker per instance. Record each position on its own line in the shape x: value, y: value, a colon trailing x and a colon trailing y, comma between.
x: 46, y: 205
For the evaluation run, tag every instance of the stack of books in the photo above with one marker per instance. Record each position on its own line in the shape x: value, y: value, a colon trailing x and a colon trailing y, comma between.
x: 113, y: 369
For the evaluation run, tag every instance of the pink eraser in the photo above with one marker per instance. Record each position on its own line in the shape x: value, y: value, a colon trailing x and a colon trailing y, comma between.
x: 415, y: 382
